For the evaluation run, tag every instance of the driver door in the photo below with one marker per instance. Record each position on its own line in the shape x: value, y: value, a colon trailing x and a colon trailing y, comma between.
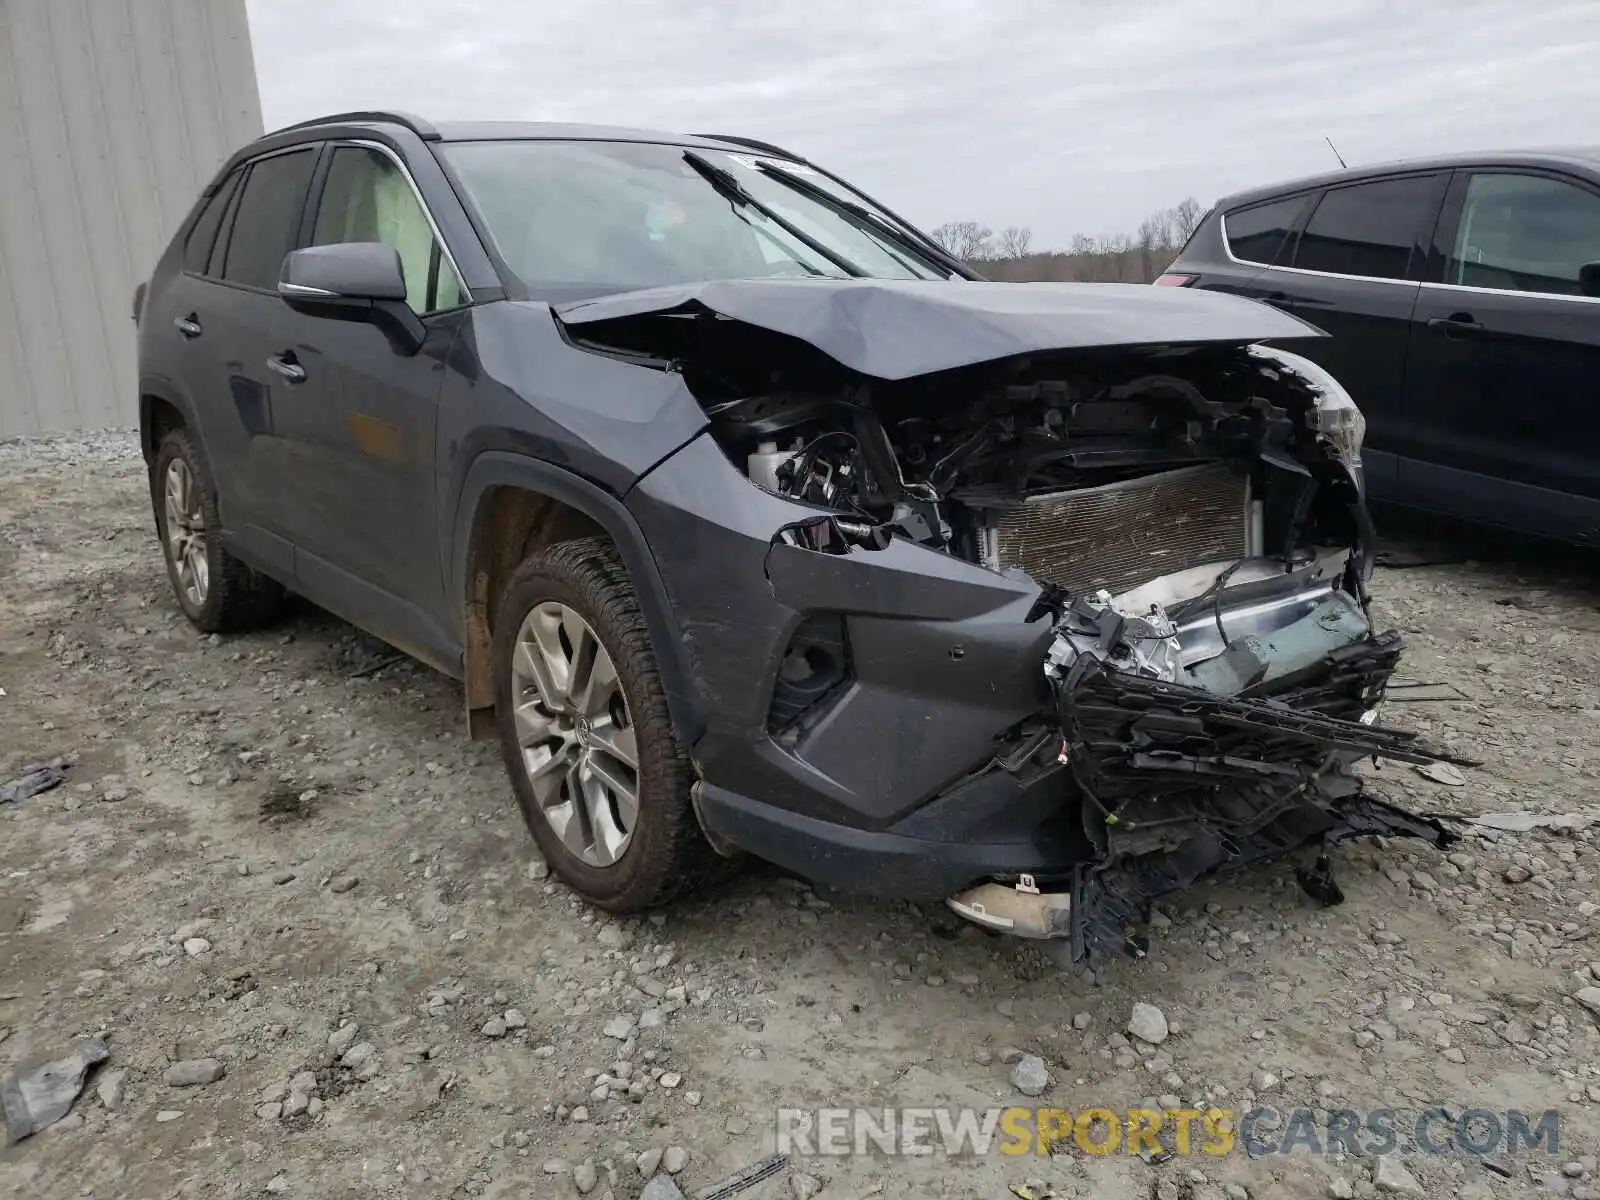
x: 359, y: 417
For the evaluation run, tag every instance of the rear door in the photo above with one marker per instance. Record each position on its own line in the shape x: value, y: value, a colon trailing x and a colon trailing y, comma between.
x: 1353, y: 271
x: 1506, y: 356
x: 237, y: 316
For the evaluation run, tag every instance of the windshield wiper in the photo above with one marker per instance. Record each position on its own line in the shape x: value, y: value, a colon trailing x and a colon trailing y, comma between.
x: 729, y: 187
x: 865, y: 219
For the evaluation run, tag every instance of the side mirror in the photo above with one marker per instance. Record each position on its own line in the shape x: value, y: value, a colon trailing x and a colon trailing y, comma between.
x: 353, y: 281
x: 358, y: 271
x: 1589, y: 279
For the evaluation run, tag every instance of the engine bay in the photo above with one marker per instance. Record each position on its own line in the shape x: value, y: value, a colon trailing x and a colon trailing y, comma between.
x: 1084, y: 472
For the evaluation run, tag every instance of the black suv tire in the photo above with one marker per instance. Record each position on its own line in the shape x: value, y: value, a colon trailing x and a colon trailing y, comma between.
x: 234, y: 598
x: 666, y: 854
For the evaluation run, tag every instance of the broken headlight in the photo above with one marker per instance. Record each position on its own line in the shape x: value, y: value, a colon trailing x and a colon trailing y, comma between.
x: 1334, y: 416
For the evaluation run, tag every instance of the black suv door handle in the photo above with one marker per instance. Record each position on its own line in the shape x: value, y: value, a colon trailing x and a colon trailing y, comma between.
x: 188, y: 326
x: 285, y: 365
x: 1455, y: 324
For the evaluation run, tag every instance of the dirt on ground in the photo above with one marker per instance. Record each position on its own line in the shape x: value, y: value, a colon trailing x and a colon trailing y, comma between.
x: 277, y: 861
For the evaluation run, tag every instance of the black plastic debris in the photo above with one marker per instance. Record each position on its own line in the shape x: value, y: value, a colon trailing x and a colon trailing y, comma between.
x: 37, y: 1099
x: 745, y: 1177
x: 31, y: 782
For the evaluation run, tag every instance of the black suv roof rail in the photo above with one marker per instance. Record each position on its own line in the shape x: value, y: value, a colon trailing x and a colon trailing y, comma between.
x: 416, y: 124
x: 752, y: 143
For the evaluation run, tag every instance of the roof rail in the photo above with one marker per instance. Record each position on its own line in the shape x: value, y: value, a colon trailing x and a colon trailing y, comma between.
x: 416, y: 124
x: 753, y: 144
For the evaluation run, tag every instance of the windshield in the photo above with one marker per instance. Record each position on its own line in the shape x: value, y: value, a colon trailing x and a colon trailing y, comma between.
x: 615, y: 216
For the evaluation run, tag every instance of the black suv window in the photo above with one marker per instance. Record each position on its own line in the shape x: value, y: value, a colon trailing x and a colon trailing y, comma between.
x: 269, y: 210
x: 1257, y: 234
x: 197, y: 250
x: 367, y: 198
x: 1524, y: 233
x: 1368, y: 229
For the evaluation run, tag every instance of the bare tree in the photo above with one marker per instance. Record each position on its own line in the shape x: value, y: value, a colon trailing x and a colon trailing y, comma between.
x: 1015, y: 240
x: 1153, y: 237
x: 967, y: 240
x: 1186, y: 218
x: 1118, y: 258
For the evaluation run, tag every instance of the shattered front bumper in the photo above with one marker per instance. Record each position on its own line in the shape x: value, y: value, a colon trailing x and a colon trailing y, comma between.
x: 1177, y: 782
x: 934, y: 765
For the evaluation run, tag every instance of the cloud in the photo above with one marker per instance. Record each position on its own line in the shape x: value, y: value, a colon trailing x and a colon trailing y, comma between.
x: 1064, y: 115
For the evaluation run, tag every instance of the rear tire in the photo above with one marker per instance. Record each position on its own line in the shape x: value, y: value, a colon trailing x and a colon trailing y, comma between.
x: 217, y: 592
x: 577, y: 695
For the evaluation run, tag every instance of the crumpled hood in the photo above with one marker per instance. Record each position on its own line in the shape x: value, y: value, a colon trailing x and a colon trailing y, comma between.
x: 896, y: 329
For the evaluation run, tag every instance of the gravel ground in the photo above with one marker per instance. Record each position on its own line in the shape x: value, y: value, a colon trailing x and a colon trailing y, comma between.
x: 301, y: 910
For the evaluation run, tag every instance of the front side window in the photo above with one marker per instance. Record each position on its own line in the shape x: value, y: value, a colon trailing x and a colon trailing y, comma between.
x: 367, y: 198
x: 613, y: 216
x: 266, y: 218
x: 1368, y: 229
x: 1524, y: 233
x: 1256, y: 234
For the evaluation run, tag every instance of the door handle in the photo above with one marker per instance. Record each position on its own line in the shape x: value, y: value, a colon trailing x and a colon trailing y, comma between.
x: 1455, y: 325
x: 188, y: 326
x: 285, y: 365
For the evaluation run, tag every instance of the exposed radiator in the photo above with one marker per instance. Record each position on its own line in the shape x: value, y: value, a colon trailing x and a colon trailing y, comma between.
x: 1122, y: 534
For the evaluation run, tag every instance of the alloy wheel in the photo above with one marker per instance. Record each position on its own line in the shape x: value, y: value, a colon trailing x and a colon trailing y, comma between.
x: 575, y: 733
x: 186, y: 533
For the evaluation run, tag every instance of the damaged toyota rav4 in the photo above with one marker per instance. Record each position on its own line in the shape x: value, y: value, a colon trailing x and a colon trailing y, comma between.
x: 753, y: 523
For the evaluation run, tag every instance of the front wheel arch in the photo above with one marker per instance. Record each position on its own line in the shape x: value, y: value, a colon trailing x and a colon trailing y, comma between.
x: 559, y: 506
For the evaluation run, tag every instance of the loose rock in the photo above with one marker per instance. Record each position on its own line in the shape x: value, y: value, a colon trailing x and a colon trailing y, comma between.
x: 1391, y: 1177
x: 1148, y: 1023
x: 195, y: 1072
x: 585, y: 1176
x: 111, y: 1089
x: 1030, y: 1076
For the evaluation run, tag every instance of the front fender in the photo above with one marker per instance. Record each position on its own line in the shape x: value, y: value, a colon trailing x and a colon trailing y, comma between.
x: 498, y: 468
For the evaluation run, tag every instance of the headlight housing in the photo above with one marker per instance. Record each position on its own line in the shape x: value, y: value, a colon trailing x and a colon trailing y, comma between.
x: 1334, y: 416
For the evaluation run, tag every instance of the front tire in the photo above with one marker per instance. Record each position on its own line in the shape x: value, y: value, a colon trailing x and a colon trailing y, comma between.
x: 217, y: 592
x: 599, y: 774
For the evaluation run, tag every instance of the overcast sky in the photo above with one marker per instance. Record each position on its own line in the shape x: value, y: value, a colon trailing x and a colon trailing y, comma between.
x: 1065, y: 116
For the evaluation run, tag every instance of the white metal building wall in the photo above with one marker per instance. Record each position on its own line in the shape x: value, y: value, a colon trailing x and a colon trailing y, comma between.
x: 113, y: 114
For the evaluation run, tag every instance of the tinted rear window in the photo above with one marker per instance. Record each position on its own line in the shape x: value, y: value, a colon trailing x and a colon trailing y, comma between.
x: 1257, y: 234
x: 197, y: 250
x: 269, y: 209
x: 1369, y: 229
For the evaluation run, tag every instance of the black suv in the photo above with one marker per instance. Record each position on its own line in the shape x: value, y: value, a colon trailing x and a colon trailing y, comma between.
x: 1462, y: 296
x: 753, y: 522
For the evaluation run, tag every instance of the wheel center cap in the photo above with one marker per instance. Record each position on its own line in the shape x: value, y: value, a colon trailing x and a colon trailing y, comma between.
x: 583, y: 731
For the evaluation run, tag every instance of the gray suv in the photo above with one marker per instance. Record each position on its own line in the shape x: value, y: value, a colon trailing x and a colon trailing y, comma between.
x: 751, y: 522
